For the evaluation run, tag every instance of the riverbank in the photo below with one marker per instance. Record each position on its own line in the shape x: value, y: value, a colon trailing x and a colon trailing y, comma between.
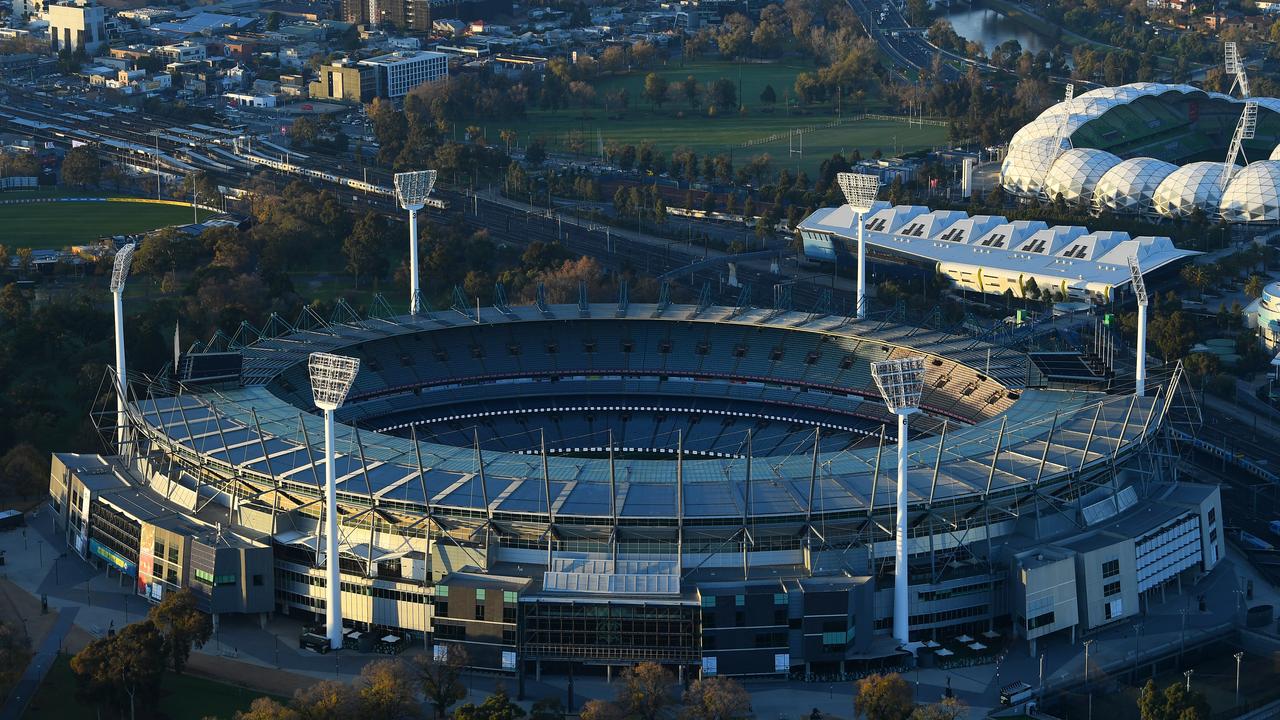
x: 1053, y: 33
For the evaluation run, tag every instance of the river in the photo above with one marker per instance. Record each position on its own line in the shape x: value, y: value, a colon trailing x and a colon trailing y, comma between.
x: 991, y: 28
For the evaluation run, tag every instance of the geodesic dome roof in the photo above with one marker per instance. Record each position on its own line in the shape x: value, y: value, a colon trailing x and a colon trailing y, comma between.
x: 1129, y: 185
x: 1253, y: 195
x: 1075, y: 173
x: 1275, y: 154
x: 1024, y: 168
x: 1198, y: 185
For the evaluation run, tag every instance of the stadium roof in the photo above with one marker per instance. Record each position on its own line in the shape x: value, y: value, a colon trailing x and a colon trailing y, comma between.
x: 256, y: 434
x: 990, y: 243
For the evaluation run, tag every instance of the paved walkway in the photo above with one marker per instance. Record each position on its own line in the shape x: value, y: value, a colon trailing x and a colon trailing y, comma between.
x: 39, y: 667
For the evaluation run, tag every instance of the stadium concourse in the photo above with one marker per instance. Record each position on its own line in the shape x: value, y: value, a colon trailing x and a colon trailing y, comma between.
x: 705, y: 487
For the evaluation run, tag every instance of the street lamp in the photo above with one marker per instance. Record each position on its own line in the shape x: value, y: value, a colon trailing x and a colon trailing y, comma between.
x: 119, y: 274
x: 900, y: 382
x: 1239, y: 656
x: 1140, y: 290
x: 860, y: 191
x: 412, y: 189
x: 1087, y: 643
x: 331, y: 378
x: 1189, y: 673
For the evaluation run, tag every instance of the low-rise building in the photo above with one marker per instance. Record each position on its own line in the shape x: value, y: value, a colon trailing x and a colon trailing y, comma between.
x: 395, y: 74
x: 186, y: 51
x: 343, y: 81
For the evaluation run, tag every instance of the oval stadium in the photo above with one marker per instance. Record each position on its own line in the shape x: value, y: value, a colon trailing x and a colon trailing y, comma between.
x: 1155, y: 150
x: 711, y: 488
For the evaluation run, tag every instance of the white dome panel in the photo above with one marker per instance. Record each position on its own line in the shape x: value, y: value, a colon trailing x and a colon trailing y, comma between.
x: 1024, y: 168
x: 1198, y: 185
x: 1075, y: 173
x: 1128, y: 187
x: 1253, y: 195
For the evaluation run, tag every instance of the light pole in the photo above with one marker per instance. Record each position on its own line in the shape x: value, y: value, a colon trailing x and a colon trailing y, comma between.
x: 1137, y: 659
x: 900, y: 382
x: 1239, y: 656
x: 119, y: 274
x: 1087, y: 643
x: 331, y: 378
x: 1140, y: 291
x: 860, y: 191
x: 1189, y: 673
x: 412, y: 189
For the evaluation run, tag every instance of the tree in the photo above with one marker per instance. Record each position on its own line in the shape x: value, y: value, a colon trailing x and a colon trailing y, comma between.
x: 724, y: 93
x: 387, y: 689
x: 265, y: 708
x: 1175, y: 703
x: 646, y: 690
x: 25, y: 469
x: 441, y: 678
x: 182, y: 625
x: 1253, y: 287
x: 769, y: 96
x: 1173, y: 334
x: 25, y: 258
x: 716, y: 698
x: 366, y: 247
x: 80, y: 167
x: 535, y: 154
x: 497, y: 706
x: 601, y: 710
x: 949, y: 709
x: 655, y: 89
x: 115, y: 670
x: 13, y: 303
x: 883, y: 697
x: 15, y: 653
x: 328, y: 700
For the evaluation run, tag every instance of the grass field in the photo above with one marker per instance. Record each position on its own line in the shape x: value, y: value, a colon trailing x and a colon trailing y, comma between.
x: 57, y: 225
x: 667, y: 129
x: 182, y: 697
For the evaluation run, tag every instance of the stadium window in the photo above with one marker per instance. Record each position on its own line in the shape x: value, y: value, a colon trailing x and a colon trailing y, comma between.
x: 1040, y: 620
x: 508, y: 637
x: 1212, y: 515
x: 509, y: 596
x: 479, y: 611
x: 1111, y: 589
x: 1110, y: 568
x: 739, y: 600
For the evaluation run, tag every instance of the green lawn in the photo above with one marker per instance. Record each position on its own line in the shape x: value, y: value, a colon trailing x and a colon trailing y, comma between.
x: 182, y: 697
x: 675, y: 124
x: 58, y: 225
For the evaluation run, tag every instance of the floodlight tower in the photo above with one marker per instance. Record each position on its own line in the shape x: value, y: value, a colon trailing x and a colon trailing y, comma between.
x: 120, y: 273
x: 860, y: 191
x: 1140, y: 291
x: 331, y: 378
x: 412, y: 189
x: 900, y: 382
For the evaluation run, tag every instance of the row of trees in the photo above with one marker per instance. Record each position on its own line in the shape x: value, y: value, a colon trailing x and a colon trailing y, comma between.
x: 122, y: 672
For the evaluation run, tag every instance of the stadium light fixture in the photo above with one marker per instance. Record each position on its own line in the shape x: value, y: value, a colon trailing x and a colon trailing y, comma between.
x: 1140, y: 291
x: 412, y: 190
x: 331, y: 379
x: 901, y: 382
x: 860, y: 192
x: 119, y: 274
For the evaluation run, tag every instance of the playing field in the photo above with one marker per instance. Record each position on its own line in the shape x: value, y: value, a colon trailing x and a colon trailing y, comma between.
x: 57, y: 225
x: 676, y: 124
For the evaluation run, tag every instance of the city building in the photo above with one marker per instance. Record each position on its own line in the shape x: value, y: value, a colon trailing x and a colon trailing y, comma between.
x: 76, y: 26
x: 395, y: 74
x: 405, y: 15
x: 183, y: 52
x: 1264, y: 313
x: 344, y: 81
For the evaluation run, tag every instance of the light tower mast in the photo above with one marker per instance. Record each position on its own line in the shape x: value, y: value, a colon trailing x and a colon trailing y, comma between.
x: 119, y: 274
x: 1140, y: 291
x: 331, y: 378
x: 412, y: 190
x: 901, y: 383
x: 860, y: 191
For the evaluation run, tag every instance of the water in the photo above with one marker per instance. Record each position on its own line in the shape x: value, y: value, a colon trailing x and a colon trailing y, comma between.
x: 990, y: 28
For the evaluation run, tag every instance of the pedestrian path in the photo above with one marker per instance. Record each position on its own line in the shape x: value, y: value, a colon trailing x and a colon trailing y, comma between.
x: 39, y: 667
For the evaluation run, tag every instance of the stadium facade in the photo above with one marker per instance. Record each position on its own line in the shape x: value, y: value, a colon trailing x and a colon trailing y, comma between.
x: 1154, y: 150
x: 705, y: 487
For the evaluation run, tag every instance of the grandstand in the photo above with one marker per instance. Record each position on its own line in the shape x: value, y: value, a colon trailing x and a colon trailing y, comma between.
x: 705, y: 487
